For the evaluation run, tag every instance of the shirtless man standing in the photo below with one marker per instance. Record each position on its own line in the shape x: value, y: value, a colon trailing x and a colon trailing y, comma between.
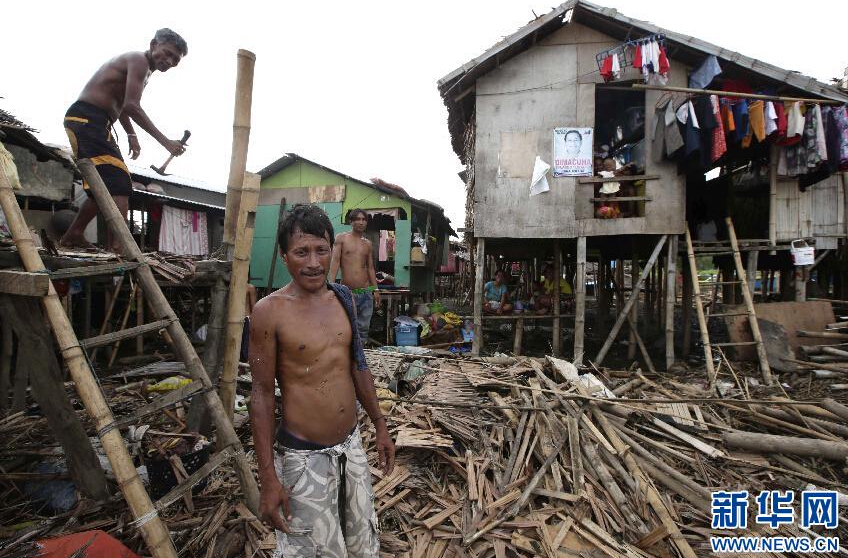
x: 114, y: 93
x: 354, y: 254
x: 302, y: 336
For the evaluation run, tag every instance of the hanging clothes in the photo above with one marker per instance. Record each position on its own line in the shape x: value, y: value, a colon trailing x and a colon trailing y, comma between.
x: 795, y: 121
x: 183, y: 232
x: 840, y: 118
x: 719, y: 141
x: 673, y: 139
x: 757, y: 123
x: 727, y: 116
x: 821, y: 144
x: 771, y: 118
x: 740, y: 116
x: 812, y: 155
x: 781, y: 122
x: 706, y: 72
x: 606, y: 69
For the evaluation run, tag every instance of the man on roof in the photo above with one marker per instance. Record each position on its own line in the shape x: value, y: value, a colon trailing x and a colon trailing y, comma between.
x: 114, y: 94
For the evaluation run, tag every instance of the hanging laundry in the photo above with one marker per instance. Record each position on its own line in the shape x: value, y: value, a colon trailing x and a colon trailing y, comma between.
x: 821, y: 145
x: 795, y: 121
x: 781, y: 121
x: 757, y: 123
x: 706, y: 72
x: 740, y: 117
x: 673, y: 139
x: 727, y: 117
x: 637, y: 57
x: 665, y: 66
x: 719, y: 141
x: 616, y: 67
x: 840, y: 117
x: 771, y: 118
x: 183, y: 232
x: 606, y: 69
x: 813, y: 157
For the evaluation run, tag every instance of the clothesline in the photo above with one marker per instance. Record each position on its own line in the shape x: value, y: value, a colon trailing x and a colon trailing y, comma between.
x: 673, y: 89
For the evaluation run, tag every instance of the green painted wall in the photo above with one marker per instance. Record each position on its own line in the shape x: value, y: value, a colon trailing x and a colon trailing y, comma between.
x: 357, y: 194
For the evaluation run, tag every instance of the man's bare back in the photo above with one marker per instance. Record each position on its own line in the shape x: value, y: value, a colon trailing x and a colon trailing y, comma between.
x: 355, y: 259
x: 313, y: 363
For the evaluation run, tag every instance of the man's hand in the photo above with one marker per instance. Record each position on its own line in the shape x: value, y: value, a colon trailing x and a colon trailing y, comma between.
x: 272, y: 497
x: 174, y: 147
x: 377, y: 299
x: 135, y: 148
x: 385, y: 447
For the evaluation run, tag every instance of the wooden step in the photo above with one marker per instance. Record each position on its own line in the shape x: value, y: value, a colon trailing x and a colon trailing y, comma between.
x: 739, y: 344
x: 129, y: 333
x: 725, y: 314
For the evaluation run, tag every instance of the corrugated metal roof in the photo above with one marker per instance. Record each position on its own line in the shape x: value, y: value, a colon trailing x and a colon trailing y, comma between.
x: 174, y: 179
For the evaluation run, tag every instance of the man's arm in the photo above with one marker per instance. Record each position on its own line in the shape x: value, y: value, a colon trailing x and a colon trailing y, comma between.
x: 337, y: 258
x: 372, y: 273
x: 137, y: 67
x: 363, y: 384
x: 263, y: 367
x: 132, y: 138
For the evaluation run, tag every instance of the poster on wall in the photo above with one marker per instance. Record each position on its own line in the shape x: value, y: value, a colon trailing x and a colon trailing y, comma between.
x: 573, y: 151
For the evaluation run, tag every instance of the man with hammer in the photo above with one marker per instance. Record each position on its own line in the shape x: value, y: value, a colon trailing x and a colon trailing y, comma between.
x: 114, y: 93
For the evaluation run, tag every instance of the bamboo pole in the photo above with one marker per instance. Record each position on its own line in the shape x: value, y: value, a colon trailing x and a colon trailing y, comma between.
x: 5, y: 365
x: 622, y: 315
x: 687, y: 313
x: 245, y: 61
x: 774, y: 151
x: 670, y: 299
x: 749, y: 305
x: 634, y: 312
x: 124, y: 320
x: 735, y: 95
x: 770, y: 443
x: 479, y: 272
x: 152, y: 528
x: 699, y: 307
x: 580, y: 300
x: 178, y: 338
x: 238, y: 288
x: 109, y: 309
x: 139, y: 321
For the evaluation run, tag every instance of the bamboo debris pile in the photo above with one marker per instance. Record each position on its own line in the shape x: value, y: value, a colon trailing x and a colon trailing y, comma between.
x: 540, y: 465
x: 828, y: 358
x: 499, y: 457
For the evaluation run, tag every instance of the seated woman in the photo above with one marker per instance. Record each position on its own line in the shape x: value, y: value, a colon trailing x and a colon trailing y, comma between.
x: 549, y: 291
x: 496, y: 295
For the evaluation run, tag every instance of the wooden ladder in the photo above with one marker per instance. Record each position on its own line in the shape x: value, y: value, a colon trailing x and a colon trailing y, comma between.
x: 145, y: 512
x: 731, y: 248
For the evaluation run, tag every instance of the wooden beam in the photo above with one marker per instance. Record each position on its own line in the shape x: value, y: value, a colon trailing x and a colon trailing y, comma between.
x: 622, y: 315
x: 580, y: 300
x: 110, y: 268
x: 556, y: 344
x: 129, y: 333
x: 479, y: 272
x: 23, y: 283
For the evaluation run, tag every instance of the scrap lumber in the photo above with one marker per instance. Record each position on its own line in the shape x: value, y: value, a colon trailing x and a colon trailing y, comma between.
x: 770, y: 443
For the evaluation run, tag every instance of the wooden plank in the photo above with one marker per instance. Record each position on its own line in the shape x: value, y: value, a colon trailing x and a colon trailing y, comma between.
x: 163, y: 402
x: 129, y: 333
x: 110, y: 268
x: 23, y: 283
x: 479, y: 270
x: 622, y: 178
x: 442, y: 515
x: 580, y: 301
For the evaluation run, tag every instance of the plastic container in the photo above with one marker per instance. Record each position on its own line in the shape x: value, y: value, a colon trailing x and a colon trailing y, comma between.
x: 406, y: 335
x: 802, y: 253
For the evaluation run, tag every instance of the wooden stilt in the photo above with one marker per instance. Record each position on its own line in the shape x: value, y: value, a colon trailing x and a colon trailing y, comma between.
x: 799, y: 281
x: 622, y: 315
x: 519, y: 335
x: 241, y: 137
x: 580, y: 300
x: 152, y: 528
x: 139, y: 321
x: 124, y: 320
x: 659, y: 307
x: 600, y: 294
x: 670, y: 299
x: 619, y: 281
x: 6, y: 351
x: 687, y: 312
x: 479, y: 274
x: 238, y: 288
x: 109, y: 309
x: 181, y: 343
x: 48, y: 390
x: 557, y: 333
x: 86, y: 328
x: 753, y: 258
x: 634, y: 312
x: 198, y: 415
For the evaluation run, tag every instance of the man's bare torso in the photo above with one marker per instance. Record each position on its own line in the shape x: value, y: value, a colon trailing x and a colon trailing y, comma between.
x: 314, y: 367
x: 107, y: 87
x: 354, y: 260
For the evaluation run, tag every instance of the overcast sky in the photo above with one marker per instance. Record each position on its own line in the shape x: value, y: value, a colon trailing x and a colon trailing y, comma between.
x: 351, y: 85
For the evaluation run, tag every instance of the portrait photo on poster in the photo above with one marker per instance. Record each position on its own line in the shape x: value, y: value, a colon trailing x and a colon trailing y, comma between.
x: 573, y: 151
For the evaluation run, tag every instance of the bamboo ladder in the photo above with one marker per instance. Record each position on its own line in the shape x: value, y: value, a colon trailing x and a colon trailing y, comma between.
x: 145, y: 512
x: 725, y: 248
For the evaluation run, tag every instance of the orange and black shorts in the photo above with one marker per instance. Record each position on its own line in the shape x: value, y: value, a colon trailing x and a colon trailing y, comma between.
x: 89, y: 130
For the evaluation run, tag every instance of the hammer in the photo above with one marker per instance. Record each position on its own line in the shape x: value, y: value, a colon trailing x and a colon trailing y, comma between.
x: 161, y: 170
